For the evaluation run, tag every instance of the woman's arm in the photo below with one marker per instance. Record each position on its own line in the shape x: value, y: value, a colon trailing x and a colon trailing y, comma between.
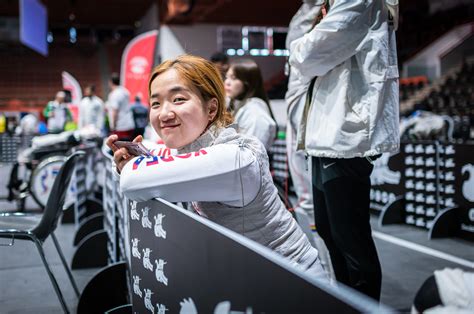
x: 226, y: 173
x: 334, y: 40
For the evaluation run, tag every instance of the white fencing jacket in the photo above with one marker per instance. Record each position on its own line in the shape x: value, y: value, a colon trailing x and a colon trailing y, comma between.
x: 254, y: 118
x: 354, y: 108
x: 226, y: 177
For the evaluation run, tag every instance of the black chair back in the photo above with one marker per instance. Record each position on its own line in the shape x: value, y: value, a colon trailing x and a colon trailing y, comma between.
x: 54, y: 206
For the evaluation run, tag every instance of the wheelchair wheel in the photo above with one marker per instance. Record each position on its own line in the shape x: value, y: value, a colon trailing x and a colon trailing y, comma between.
x: 42, y: 178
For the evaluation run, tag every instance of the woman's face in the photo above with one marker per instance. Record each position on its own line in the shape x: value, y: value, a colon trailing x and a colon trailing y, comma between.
x: 233, y: 86
x: 177, y: 111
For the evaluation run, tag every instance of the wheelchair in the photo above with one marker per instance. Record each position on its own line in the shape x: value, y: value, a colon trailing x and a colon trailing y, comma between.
x: 34, y: 172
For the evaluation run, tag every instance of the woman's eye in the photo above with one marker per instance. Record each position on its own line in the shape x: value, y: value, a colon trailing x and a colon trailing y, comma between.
x: 155, y: 104
x: 179, y: 99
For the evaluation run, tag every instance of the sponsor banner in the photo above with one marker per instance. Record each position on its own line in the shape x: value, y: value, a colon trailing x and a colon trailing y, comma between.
x: 71, y: 84
x: 137, y: 63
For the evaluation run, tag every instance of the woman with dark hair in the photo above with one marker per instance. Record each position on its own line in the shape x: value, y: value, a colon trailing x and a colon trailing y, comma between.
x: 249, y: 102
x: 224, y: 175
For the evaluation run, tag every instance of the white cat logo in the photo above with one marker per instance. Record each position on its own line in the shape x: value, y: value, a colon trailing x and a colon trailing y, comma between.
x: 419, y: 149
x: 420, y: 222
x: 147, y: 300
x: 450, y: 150
x: 135, y: 250
x: 146, y: 223
x: 419, y: 210
x: 430, y: 200
x: 187, y: 307
x: 133, y: 211
x: 378, y: 196
x: 146, y: 259
x: 430, y: 212
x: 419, y: 161
x: 159, y: 231
x: 430, y: 149
x: 136, y: 286
x: 382, y: 173
x: 224, y: 307
x: 384, y: 197
x: 468, y: 185
x: 449, y: 202
x: 159, y: 273
x: 161, y: 308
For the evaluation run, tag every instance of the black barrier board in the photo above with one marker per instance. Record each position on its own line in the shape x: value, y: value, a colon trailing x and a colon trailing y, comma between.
x: 464, y: 188
x: 432, y: 177
x: 181, y: 262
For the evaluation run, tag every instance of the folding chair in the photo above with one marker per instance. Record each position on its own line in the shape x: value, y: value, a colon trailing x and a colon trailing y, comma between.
x: 37, y: 227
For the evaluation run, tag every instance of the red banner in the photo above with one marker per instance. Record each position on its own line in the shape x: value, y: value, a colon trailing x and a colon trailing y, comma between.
x: 137, y: 63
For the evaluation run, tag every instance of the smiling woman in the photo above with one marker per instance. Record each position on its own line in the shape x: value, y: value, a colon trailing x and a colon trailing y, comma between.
x: 178, y: 112
x: 222, y: 174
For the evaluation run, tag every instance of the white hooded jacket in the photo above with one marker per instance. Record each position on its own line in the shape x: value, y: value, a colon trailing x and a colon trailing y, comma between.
x: 354, y: 107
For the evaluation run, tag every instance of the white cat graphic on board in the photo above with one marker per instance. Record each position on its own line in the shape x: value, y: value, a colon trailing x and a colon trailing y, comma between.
x: 159, y: 231
x: 134, y: 215
x: 146, y: 259
x: 135, y: 251
x: 136, y: 286
x: 159, y: 273
x: 146, y: 223
x: 147, y: 300
x: 161, y: 308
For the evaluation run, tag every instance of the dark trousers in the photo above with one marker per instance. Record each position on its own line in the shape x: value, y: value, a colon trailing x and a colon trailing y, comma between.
x: 341, y: 193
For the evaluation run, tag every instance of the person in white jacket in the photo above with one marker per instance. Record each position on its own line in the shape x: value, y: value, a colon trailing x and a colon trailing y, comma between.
x: 301, y: 23
x: 91, y: 110
x: 223, y: 174
x: 248, y: 101
x: 351, y: 117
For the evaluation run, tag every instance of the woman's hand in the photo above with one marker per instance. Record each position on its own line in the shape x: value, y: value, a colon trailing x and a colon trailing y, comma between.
x: 121, y: 155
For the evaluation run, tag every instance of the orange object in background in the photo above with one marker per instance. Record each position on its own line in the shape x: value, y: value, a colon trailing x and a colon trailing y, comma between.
x: 414, y: 80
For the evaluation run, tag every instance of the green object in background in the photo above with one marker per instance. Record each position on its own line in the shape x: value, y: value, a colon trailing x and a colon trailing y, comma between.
x: 281, y: 135
x: 70, y: 126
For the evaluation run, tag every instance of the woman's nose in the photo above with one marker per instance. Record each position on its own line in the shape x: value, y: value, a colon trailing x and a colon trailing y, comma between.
x: 167, y: 112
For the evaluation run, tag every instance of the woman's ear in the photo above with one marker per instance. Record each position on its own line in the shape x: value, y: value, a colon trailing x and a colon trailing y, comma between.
x: 212, y: 106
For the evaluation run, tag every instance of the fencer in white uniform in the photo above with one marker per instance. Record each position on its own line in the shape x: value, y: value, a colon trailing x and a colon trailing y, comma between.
x: 223, y: 174
x: 249, y: 102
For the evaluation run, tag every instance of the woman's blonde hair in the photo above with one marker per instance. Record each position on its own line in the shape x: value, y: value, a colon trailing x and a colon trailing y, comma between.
x: 203, y: 75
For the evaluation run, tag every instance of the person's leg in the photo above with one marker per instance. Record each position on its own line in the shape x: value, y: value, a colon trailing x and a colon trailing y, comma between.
x: 347, y: 199
x: 323, y: 226
x: 298, y: 165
